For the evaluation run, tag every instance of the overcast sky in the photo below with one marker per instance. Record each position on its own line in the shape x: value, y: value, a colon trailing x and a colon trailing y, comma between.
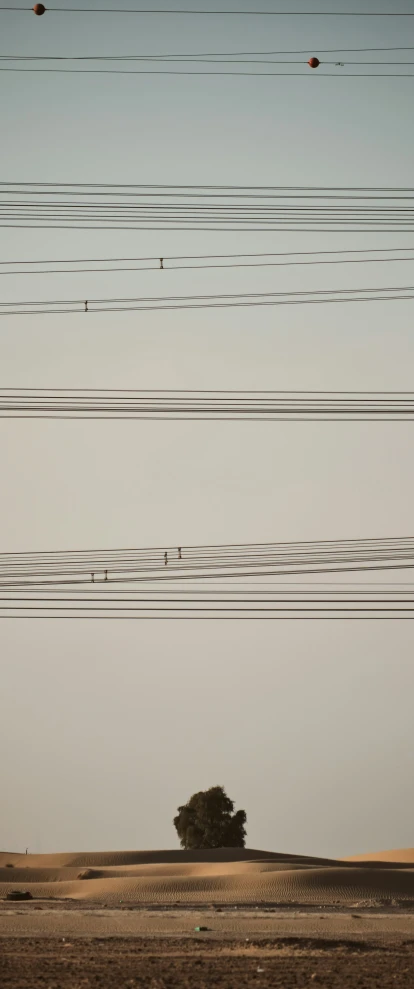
x: 106, y: 727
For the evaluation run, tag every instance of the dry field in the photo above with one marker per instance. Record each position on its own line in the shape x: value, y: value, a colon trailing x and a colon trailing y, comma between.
x: 128, y: 919
x: 110, y: 963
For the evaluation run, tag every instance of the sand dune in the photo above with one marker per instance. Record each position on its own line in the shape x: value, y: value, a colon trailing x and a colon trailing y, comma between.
x: 213, y: 876
x: 187, y: 870
x: 401, y: 856
x: 85, y: 860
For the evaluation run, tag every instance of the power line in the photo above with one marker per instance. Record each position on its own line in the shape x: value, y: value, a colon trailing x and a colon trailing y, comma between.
x: 209, y: 257
x: 198, y: 55
x: 216, y: 618
x: 210, y: 224
x: 222, y: 596
x: 58, y: 568
x: 200, y: 60
x: 206, y: 208
x: 216, y: 13
x: 310, y: 591
x: 234, y: 300
x: 208, y: 597
x: 178, y: 72
x: 99, y: 224
x: 249, y: 229
x: 240, y: 406
x: 255, y: 208
x: 205, y: 577
x: 234, y: 262
x: 215, y: 391
x: 356, y: 543
x: 210, y: 305
x: 217, y: 188
x: 37, y: 606
x: 74, y: 579
x: 225, y: 296
x: 179, y: 560
x: 216, y: 610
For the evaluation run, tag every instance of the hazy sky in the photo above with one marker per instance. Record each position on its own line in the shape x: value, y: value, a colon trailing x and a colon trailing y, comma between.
x: 106, y: 728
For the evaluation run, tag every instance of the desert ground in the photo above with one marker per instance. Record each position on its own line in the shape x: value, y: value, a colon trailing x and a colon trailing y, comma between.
x: 221, y: 918
x: 226, y: 876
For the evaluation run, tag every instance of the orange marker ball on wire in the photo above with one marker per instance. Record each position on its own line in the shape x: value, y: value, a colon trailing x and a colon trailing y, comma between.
x: 39, y: 9
x: 314, y: 62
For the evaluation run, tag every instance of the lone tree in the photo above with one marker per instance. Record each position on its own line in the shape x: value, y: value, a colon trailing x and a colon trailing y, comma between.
x: 208, y: 820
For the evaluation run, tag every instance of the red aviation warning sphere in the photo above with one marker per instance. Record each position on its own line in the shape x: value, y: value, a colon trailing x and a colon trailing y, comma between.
x: 39, y: 9
x: 314, y: 62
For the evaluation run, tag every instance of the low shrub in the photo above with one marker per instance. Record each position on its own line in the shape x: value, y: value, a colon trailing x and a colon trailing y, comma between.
x: 19, y: 894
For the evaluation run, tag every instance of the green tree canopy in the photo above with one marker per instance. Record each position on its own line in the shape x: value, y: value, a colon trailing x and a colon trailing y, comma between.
x: 209, y: 820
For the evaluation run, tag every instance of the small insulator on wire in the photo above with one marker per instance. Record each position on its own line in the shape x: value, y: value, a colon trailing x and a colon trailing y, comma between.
x: 161, y: 262
x: 106, y: 575
x: 314, y: 62
x: 165, y: 559
x: 93, y: 578
x: 39, y: 9
x: 179, y: 553
x: 86, y: 306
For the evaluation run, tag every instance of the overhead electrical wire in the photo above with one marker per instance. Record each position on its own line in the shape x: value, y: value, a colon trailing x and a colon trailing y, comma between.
x: 74, y: 582
x: 183, y: 208
x: 311, y: 191
x: 214, y: 13
x: 174, y: 56
x: 198, y: 207
x: 162, y: 617
x: 60, y: 568
x: 179, y: 557
x: 233, y: 610
x: 379, y: 590
x: 185, y: 72
x: 231, y: 261
x: 161, y: 72
x: 234, y: 300
x: 171, y: 60
x: 213, y: 58
x: 200, y: 559
x: 272, y: 226
x: 193, y: 209
x: 211, y: 597
x: 260, y: 406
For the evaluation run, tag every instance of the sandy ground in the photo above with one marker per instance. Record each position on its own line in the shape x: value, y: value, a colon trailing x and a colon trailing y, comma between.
x: 394, y: 855
x: 129, y: 919
x: 373, y: 925
x: 227, y: 876
x: 154, y: 964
